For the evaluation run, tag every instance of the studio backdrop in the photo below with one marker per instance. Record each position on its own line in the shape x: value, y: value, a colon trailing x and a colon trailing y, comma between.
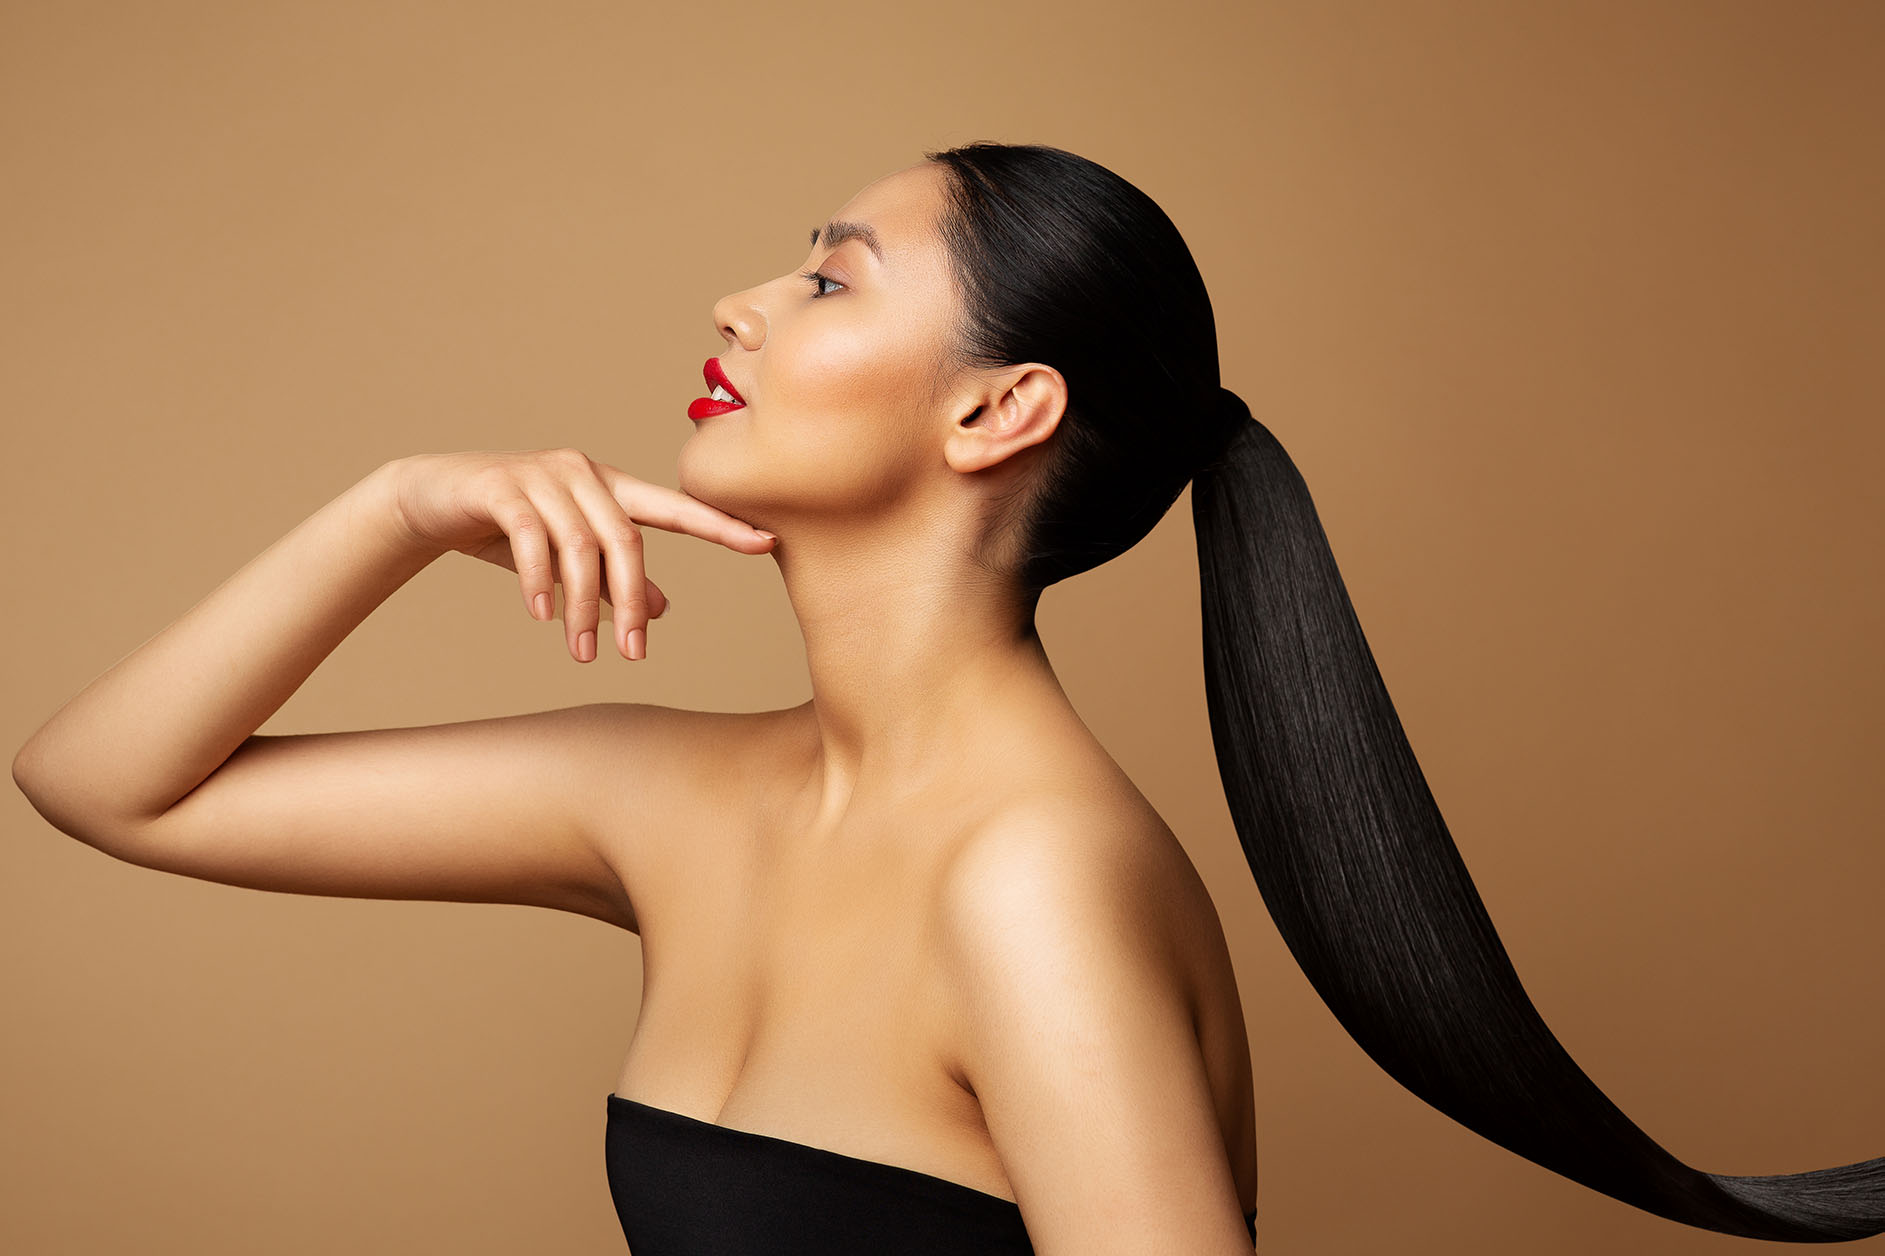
x: 1570, y: 314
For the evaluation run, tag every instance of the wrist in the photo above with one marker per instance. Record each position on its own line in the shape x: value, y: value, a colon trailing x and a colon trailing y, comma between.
x: 376, y: 503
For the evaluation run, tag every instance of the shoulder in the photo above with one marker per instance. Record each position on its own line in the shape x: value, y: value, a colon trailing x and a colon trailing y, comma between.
x: 708, y: 738
x: 665, y: 786
x: 692, y: 734
x: 1076, y: 1029
x: 1059, y: 853
x: 651, y: 757
x: 1060, y: 869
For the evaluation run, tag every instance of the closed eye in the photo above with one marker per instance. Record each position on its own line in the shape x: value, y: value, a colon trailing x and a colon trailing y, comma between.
x: 818, y: 282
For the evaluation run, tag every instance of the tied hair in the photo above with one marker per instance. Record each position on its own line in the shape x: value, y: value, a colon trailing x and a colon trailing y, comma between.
x: 1233, y: 420
x: 1361, y: 875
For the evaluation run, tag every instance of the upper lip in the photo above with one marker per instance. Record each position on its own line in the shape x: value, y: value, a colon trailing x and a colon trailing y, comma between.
x: 714, y: 375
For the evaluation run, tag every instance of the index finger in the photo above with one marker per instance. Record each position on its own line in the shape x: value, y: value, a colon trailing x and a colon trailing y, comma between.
x: 675, y: 511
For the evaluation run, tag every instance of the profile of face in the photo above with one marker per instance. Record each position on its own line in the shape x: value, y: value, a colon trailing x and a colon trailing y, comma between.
x: 846, y: 377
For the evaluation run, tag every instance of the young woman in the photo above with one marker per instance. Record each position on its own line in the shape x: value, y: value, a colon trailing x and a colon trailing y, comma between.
x: 924, y: 972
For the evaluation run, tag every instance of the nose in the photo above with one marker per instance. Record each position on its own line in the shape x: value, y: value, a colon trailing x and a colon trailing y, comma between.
x: 738, y: 317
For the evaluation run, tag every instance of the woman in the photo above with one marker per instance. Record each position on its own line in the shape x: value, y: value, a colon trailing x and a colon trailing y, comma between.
x: 924, y: 971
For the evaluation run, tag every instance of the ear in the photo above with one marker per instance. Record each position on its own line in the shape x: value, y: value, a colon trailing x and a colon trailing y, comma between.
x: 1006, y: 412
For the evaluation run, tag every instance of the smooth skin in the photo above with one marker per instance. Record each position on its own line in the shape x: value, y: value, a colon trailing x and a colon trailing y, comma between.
x: 922, y: 918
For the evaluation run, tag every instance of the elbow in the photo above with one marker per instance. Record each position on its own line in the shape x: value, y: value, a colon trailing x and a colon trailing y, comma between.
x: 56, y: 799
x: 26, y: 771
x: 34, y: 779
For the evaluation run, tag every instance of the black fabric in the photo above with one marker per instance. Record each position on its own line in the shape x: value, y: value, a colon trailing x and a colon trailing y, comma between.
x: 688, y: 1187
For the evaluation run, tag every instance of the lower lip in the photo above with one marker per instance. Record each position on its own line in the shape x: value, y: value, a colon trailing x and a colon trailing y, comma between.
x: 707, y: 407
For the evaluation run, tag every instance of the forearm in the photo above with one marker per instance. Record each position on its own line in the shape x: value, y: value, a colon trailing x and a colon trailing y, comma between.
x: 167, y: 715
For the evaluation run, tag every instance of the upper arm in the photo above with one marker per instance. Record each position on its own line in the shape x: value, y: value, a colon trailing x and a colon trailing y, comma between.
x: 515, y: 809
x: 1079, y: 1044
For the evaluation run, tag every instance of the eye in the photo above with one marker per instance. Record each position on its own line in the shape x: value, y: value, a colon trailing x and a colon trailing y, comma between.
x: 818, y: 283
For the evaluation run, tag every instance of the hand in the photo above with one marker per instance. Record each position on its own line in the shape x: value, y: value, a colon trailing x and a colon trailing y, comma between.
x: 556, y: 516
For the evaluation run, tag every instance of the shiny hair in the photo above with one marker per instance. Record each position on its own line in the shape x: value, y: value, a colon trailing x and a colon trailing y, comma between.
x: 1063, y: 262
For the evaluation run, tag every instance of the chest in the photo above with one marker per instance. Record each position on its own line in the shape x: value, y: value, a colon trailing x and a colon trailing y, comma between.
x: 834, y: 967
x: 800, y: 996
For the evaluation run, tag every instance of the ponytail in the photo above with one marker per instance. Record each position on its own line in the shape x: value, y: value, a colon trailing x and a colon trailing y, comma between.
x: 1358, y: 870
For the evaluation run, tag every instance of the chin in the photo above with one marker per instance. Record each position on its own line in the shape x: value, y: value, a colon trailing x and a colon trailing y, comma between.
x: 708, y: 475
x: 689, y: 471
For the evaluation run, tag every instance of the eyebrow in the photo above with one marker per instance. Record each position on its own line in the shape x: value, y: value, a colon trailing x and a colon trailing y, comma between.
x: 838, y: 231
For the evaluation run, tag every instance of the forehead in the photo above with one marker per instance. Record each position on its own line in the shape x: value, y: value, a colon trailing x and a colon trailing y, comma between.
x: 903, y: 208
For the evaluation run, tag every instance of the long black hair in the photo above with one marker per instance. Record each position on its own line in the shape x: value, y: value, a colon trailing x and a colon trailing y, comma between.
x: 1061, y: 261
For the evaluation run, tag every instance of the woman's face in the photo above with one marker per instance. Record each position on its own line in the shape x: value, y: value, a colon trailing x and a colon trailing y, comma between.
x: 843, y: 377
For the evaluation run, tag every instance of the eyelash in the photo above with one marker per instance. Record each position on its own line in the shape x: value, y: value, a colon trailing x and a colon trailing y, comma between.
x: 818, y: 281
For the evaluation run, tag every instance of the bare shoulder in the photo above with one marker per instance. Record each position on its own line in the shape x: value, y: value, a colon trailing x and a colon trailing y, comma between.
x: 1106, y: 864
x: 672, y: 783
x: 1097, y: 1025
x: 691, y: 748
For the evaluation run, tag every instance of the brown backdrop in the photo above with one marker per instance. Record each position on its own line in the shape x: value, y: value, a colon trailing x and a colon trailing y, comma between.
x: 1571, y: 316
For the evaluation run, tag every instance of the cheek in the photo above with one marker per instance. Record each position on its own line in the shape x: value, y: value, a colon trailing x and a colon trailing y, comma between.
x: 840, y: 373
x: 859, y: 363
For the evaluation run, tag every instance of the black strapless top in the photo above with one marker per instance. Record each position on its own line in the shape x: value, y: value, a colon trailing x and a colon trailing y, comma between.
x: 688, y: 1187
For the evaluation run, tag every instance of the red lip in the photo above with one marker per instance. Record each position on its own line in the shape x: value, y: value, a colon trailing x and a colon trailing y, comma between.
x: 707, y: 407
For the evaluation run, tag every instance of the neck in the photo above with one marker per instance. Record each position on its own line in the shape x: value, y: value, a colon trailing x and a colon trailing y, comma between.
x: 919, y: 660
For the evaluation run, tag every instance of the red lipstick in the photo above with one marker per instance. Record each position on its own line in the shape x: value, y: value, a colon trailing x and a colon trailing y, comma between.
x: 707, y: 407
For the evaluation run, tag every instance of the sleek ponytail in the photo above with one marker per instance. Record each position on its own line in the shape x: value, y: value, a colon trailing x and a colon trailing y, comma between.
x: 1061, y: 261
x: 1368, y: 890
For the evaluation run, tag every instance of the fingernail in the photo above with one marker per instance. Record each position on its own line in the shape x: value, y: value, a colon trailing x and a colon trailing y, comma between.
x: 543, y: 606
x: 586, y: 646
x: 637, y: 643
x: 769, y: 536
x: 666, y: 607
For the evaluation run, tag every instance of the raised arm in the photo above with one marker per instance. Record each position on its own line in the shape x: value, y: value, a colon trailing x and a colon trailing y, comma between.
x: 156, y: 761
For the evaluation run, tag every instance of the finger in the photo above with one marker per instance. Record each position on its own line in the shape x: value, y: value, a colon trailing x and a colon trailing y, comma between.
x: 496, y: 551
x: 675, y: 511
x: 578, y: 567
x: 657, y: 600
x: 530, y: 552
x: 621, y: 543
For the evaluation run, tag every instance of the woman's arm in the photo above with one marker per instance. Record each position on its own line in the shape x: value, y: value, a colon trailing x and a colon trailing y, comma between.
x: 156, y: 762
x: 139, y: 738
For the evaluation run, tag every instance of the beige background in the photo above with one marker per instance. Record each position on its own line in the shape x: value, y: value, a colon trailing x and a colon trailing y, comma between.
x: 1571, y: 315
